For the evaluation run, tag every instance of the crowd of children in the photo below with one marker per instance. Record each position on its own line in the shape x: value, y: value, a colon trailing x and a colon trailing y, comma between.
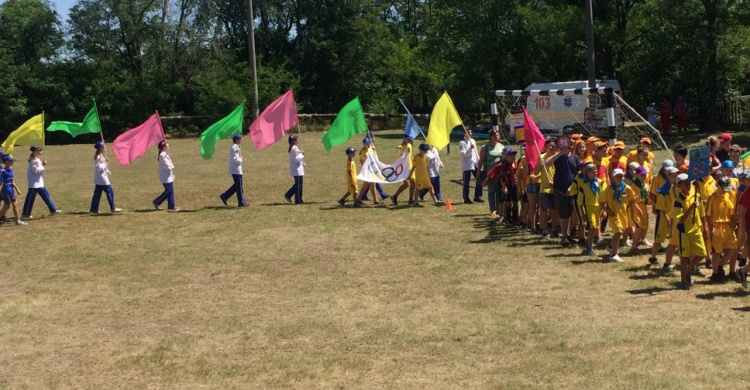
x: 700, y: 220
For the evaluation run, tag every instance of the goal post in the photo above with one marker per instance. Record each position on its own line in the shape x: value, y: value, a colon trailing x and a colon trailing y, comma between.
x: 598, y: 112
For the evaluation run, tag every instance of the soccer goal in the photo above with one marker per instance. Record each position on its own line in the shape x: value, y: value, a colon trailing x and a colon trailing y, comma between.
x: 598, y: 112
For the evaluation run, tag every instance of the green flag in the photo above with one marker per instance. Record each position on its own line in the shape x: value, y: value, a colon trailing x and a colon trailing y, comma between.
x: 349, y: 122
x: 90, y: 124
x: 224, y: 128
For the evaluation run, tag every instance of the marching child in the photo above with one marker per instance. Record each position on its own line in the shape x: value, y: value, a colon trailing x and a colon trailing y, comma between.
x: 589, y: 193
x: 296, y: 169
x: 351, y: 179
x: 166, y: 176
x: 421, y: 177
x: 408, y: 183
x: 721, y: 224
x: 36, y: 184
x: 434, y: 165
x: 687, y: 215
x: 9, y: 191
x: 662, y: 207
x: 619, y: 201
x: 101, y: 180
x: 235, y: 169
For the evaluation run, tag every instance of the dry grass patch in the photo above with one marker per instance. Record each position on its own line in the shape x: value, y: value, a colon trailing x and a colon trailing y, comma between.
x: 317, y: 296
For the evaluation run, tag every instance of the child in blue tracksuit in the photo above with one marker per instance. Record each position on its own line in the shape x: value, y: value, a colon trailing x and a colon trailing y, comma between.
x: 101, y: 180
x: 36, y: 184
x: 235, y: 169
x: 166, y: 176
x: 9, y: 191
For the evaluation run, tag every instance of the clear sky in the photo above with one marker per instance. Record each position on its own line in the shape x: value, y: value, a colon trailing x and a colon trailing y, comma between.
x: 62, y: 7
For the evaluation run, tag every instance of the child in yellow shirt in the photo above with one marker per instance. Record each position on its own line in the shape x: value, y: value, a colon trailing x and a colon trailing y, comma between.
x: 421, y: 176
x: 408, y: 183
x: 589, y: 193
x: 720, y: 213
x: 640, y: 219
x: 687, y: 216
x: 351, y: 179
x: 662, y: 207
x: 618, y: 200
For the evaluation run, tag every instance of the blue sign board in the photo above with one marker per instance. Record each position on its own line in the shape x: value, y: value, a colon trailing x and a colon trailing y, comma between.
x: 700, y: 162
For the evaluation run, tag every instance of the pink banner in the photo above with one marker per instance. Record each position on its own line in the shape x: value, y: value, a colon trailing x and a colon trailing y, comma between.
x: 532, y: 136
x: 274, y: 121
x: 133, y: 143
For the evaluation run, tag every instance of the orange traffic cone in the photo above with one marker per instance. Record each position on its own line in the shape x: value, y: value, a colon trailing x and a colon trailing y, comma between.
x: 448, y: 206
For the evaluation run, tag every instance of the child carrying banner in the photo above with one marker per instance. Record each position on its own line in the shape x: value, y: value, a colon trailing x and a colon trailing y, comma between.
x: 421, y: 176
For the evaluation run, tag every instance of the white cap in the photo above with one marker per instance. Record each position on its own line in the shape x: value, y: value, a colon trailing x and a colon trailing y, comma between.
x: 680, y: 177
x: 617, y: 171
x: 671, y: 170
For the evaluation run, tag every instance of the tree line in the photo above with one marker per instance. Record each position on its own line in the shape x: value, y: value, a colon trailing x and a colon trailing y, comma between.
x: 190, y: 57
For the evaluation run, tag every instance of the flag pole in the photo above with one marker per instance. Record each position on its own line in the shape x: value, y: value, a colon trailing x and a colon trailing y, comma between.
x: 163, y: 134
x: 43, y: 135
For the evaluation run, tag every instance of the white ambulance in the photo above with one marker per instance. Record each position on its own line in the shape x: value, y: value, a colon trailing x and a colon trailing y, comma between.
x: 553, y: 113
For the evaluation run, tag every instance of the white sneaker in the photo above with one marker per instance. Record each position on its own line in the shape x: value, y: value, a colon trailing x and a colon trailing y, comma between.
x: 27, y: 216
x: 21, y: 223
x: 117, y: 210
x: 58, y: 211
x: 616, y: 259
x: 628, y: 243
x: 647, y: 244
x: 174, y: 210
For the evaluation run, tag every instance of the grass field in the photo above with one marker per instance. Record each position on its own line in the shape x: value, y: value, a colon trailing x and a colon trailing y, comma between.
x: 318, y: 296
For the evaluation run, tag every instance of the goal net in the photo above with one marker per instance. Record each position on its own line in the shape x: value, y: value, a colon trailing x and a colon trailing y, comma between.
x: 598, y: 112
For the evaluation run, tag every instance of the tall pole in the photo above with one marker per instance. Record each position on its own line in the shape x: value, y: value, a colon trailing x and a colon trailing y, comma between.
x: 251, y: 50
x: 590, y: 43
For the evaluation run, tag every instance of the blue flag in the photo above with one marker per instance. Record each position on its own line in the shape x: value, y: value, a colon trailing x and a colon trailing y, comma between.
x: 411, y: 128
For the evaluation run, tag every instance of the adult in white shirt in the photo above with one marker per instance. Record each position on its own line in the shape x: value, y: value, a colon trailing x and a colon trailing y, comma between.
x: 36, y: 183
x: 469, y: 161
x: 296, y: 169
x: 235, y: 169
x: 101, y: 180
x: 434, y: 165
x: 166, y: 176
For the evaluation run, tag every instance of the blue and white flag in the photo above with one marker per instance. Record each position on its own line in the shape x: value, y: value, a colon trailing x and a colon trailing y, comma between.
x: 411, y: 128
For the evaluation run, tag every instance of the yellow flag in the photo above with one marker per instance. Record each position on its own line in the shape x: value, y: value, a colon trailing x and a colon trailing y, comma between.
x: 30, y: 133
x: 443, y: 119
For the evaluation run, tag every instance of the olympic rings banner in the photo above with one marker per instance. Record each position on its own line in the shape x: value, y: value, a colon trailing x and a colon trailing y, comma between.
x: 374, y: 171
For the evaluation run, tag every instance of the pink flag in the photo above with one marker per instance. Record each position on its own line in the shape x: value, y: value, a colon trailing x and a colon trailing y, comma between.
x: 532, y: 136
x: 133, y: 143
x: 274, y: 121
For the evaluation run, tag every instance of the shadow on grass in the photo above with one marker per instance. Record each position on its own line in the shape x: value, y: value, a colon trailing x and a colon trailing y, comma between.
x: 724, y: 294
x: 78, y: 213
x: 744, y: 309
x: 590, y: 260
x: 649, y: 291
x: 650, y: 276
x: 148, y: 210
x: 637, y: 268
x: 221, y: 207
x: 290, y: 204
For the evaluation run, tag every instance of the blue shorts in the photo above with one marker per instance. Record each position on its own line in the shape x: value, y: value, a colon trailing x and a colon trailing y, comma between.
x: 533, y: 188
x: 8, y: 195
